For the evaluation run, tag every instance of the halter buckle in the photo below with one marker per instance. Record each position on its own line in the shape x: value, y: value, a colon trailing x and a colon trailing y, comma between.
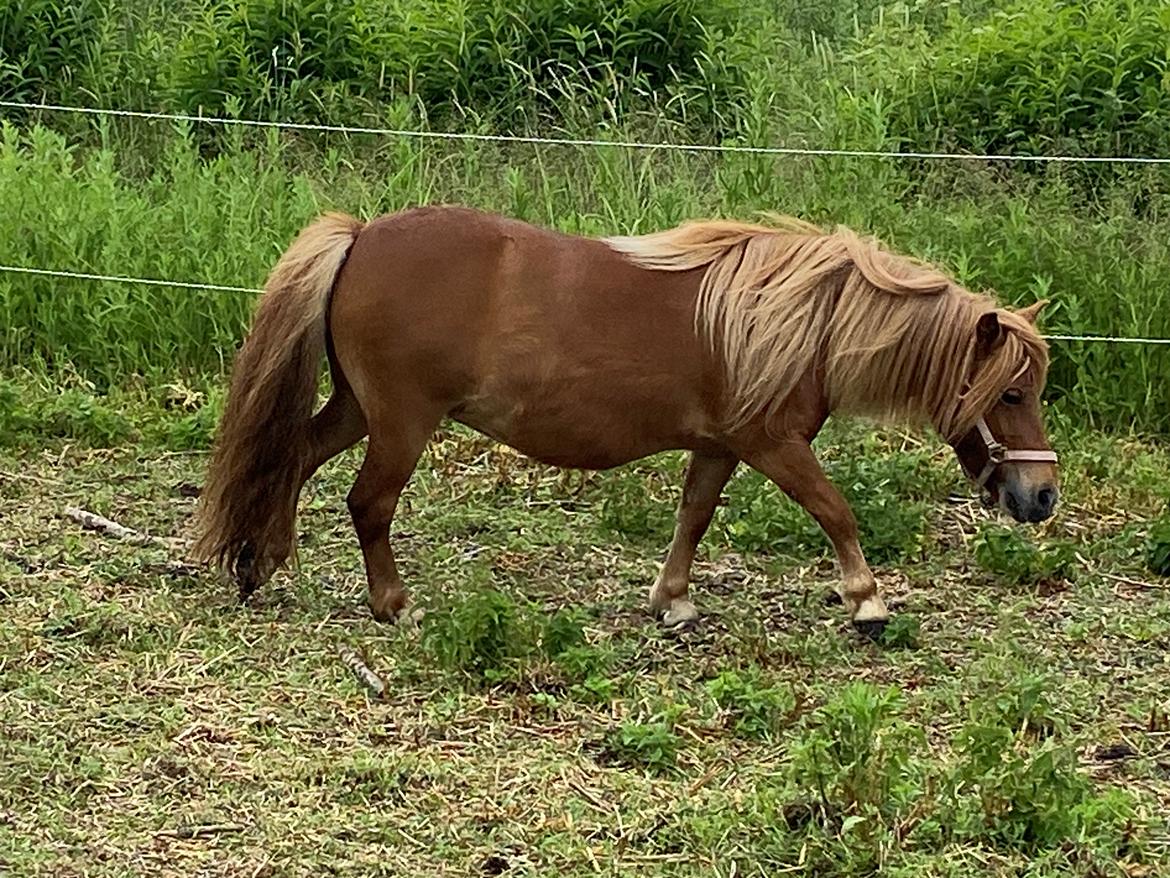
x: 996, y: 453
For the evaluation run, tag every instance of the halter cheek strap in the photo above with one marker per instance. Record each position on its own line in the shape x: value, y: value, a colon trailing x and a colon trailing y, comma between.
x: 997, y: 454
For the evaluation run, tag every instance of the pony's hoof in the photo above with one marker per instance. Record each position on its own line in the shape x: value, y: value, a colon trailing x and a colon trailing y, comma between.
x: 247, y: 578
x: 389, y: 608
x: 870, y: 629
x: 682, y: 614
x: 248, y: 583
x: 383, y: 615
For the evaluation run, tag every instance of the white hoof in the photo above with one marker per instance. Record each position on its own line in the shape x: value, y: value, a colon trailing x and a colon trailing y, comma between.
x: 872, y: 609
x: 681, y: 612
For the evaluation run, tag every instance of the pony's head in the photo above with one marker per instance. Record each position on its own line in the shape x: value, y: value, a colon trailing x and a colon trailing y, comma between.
x: 1005, y: 450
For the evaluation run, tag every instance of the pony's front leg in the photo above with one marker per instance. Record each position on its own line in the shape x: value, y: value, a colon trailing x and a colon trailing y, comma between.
x: 795, y: 470
x: 706, y: 476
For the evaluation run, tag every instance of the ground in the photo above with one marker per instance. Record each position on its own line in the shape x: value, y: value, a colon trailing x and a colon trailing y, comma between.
x: 152, y: 725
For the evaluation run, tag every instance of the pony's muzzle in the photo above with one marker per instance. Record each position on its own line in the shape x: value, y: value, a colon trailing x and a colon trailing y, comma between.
x: 1030, y: 505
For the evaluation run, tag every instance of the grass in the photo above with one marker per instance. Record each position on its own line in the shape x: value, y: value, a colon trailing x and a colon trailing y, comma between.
x: 169, y: 731
x: 477, y: 62
x: 1052, y: 76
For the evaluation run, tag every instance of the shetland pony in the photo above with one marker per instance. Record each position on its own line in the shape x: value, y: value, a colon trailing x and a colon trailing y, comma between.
x: 730, y: 340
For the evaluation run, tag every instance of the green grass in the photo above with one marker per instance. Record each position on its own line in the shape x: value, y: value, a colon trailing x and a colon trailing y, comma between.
x: 1041, y: 76
x: 220, y: 204
x: 473, y: 62
x: 144, y: 704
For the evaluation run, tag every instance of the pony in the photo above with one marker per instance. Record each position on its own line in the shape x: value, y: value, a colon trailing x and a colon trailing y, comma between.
x: 730, y: 340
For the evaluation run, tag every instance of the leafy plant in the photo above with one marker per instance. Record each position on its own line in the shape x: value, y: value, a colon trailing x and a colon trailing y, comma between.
x: 901, y: 632
x: 1022, y: 704
x: 1158, y: 545
x: 193, y: 430
x: 652, y: 745
x: 508, y: 63
x: 1027, y: 794
x: 47, y: 47
x: 855, y: 753
x: 486, y: 636
x: 1023, y: 791
x: 1007, y: 553
x: 583, y: 665
x: 491, y: 638
x: 30, y: 411
x: 77, y: 414
x: 594, y: 689
x: 582, y: 662
x: 269, y: 58
x: 753, y: 709
x: 16, y: 418
x: 1046, y: 76
x: 563, y: 632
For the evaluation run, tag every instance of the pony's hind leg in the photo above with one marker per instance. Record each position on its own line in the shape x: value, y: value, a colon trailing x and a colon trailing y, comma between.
x: 706, y: 476
x: 794, y: 468
x: 339, y: 425
x: 390, y: 460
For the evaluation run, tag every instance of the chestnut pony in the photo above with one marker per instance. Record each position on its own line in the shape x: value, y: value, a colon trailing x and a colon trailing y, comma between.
x: 732, y: 341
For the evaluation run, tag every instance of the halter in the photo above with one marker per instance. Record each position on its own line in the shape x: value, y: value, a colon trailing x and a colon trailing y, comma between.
x: 997, y: 454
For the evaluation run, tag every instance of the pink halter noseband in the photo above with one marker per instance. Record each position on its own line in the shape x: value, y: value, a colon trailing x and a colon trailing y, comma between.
x: 997, y: 454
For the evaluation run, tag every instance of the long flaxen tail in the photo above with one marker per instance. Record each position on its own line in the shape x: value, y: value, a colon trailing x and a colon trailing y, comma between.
x: 263, y: 446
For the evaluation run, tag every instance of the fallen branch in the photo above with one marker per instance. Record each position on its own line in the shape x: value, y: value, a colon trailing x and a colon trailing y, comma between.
x: 362, y: 671
x: 202, y: 830
x: 93, y: 521
x: 173, y: 568
x: 1138, y: 583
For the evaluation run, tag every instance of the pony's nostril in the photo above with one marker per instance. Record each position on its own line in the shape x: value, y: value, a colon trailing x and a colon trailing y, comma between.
x: 1046, y: 497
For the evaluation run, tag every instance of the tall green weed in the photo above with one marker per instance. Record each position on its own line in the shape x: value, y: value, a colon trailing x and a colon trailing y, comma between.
x: 485, y: 60
x: 1041, y: 76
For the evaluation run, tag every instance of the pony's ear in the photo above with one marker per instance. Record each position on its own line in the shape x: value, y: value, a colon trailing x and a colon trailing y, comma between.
x: 1033, y: 311
x: 989, y: 334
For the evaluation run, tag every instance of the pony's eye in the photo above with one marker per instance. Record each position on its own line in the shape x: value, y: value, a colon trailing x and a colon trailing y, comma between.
x: 1012, y: 396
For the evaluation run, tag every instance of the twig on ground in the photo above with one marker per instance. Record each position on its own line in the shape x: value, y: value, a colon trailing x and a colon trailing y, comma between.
x: 93, y: 521
x: 1135, y: 582
x: 201, y: 831
x: 362, y: 671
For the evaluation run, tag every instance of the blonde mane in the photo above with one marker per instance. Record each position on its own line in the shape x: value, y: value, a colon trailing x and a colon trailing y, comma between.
x: 895, y: 337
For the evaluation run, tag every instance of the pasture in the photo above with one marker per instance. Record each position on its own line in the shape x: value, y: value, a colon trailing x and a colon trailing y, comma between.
x: 535, y: 720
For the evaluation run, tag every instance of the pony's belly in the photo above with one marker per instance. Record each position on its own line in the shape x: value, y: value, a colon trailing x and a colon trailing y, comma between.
x: 574, y: 435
